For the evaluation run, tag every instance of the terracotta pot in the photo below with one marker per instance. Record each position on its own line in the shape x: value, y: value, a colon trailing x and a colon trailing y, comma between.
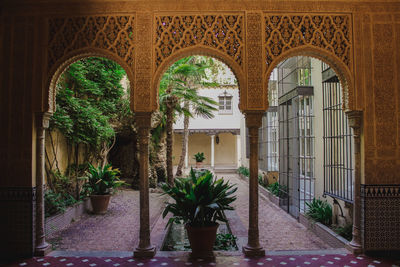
x: 199, y: 165
x: 202, y: 240
x: 100, y: 203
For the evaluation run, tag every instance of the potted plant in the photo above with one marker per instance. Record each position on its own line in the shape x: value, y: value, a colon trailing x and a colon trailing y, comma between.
x: 100, y: 184
x: 199, y: 202
x: 199, y: 157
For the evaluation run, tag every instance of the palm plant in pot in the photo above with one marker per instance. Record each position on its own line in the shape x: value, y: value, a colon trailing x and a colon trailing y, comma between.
x: 200, y: 202
x: 99, y: 185
x: 199, y: 157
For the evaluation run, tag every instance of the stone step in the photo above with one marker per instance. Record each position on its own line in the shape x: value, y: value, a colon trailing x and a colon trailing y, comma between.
x: 225, y: 170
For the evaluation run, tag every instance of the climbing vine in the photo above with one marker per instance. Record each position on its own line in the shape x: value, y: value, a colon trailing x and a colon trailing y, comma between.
x: 90, y: 103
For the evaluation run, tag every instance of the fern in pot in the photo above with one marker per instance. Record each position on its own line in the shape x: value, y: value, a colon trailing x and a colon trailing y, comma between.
x: 199, y: 158
x: 199, y: 202
x: 100, y: 183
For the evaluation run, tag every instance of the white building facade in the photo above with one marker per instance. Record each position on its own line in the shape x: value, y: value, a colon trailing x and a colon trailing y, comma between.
x: 218, y: 138
x: 305, y: 142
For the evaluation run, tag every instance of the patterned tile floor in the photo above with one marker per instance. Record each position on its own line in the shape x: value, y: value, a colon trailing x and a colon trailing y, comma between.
x: 328, y: 260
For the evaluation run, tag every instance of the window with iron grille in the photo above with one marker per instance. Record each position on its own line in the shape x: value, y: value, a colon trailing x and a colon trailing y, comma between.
x: 272, y: 125
x: 306, y: 150
x: 338, y: 144
x: 225, y: 103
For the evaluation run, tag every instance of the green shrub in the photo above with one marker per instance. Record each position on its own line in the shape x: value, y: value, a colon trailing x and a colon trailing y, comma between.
x: 57, y: 202
x: 345, y: 231
x: 277, y: 189
x: 225, y: 242
x: 101, y: 181
x: 59, y: 193
x: 244, y: 171
x: 262, y: 182
x: 200, y: 200
x: 320, y: 211
x: 199, y: 157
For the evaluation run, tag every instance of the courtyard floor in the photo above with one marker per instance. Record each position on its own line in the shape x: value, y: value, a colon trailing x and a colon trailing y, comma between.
x: 109, y: 240
x: 118, y: 230
x: 322, y: 260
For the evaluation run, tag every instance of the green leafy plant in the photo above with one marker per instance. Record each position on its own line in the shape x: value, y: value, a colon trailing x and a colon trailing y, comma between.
x: 244, y: 171
x: 101, y: 181
x: 345, y: 231
x: 261, y: 181
x: 199, y: 157
x: 277, y: 189
x: 320, y: 211
x: 200, y: 200
x: 225, y: 242
x: 57, y: 202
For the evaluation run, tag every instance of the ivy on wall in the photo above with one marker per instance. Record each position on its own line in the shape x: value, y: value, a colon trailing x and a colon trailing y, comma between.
x: 90, y: 103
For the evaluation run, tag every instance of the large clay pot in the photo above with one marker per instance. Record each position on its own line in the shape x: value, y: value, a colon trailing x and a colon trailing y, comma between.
x: 100, y: 203
x: 202, y: 240
x: 199, y: 164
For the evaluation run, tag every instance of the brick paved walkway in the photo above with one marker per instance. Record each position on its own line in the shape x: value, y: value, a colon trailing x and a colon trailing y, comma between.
x: 117, y: 230
x: 278, y: 230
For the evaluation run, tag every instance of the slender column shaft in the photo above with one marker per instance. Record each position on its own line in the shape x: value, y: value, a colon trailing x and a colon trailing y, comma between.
x: 145, y: 249
x: 212, y: 151
x: 253, y: 194
x: 355, y: 120
x: 253, y: 248
x: 42, y: 247
x: 238, y: 151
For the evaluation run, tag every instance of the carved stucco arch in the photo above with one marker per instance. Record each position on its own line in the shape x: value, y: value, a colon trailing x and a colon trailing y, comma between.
x: 341, y: 70
x: 326, y: 36
x: 201, y: 51
x: 62, y: 64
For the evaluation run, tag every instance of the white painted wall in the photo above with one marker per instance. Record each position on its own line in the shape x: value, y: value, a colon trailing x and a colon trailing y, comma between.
x: 220, y: 121
x: 243, y: 144
x: 316, y: 80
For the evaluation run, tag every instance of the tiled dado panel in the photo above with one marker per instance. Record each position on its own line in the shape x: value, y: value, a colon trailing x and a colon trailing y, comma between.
x: 380, y: 217
x: 17, y: 226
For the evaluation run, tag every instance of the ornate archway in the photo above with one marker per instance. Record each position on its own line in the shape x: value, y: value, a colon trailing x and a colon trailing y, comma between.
x: 73, y: 38
x: 323, y: 36
x: 204, y: 51
x: 251, y: 43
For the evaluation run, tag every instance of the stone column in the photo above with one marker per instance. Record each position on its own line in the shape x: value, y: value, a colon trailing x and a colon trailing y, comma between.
x: 238, y: 151
x: 212, y: 150
x: 145, y: 249
x: 355, y: 122
x: 42, y: 122
x: 253, y: 248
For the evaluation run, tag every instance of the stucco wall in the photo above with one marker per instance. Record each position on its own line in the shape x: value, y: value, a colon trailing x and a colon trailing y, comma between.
x: 220, y: 121
x: 225, y: 151
x: 59, y: 154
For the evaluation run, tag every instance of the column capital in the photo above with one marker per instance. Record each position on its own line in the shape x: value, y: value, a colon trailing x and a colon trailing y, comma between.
x: 253, y: 118
x: 355, y: 118
x: 43, y: 119
x: 143, y: 119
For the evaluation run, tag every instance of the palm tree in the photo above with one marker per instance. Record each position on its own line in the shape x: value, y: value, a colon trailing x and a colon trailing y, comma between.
x: 179, y: 84
x: 202, y: 106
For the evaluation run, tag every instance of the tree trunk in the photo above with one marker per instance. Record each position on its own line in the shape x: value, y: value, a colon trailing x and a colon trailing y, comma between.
x: 169, y: 141
x: 77, y: 171
x: 185, y: 140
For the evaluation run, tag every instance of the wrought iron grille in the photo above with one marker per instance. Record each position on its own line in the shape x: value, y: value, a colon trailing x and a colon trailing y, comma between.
x: 338, y: 144
x: 268, y: 141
